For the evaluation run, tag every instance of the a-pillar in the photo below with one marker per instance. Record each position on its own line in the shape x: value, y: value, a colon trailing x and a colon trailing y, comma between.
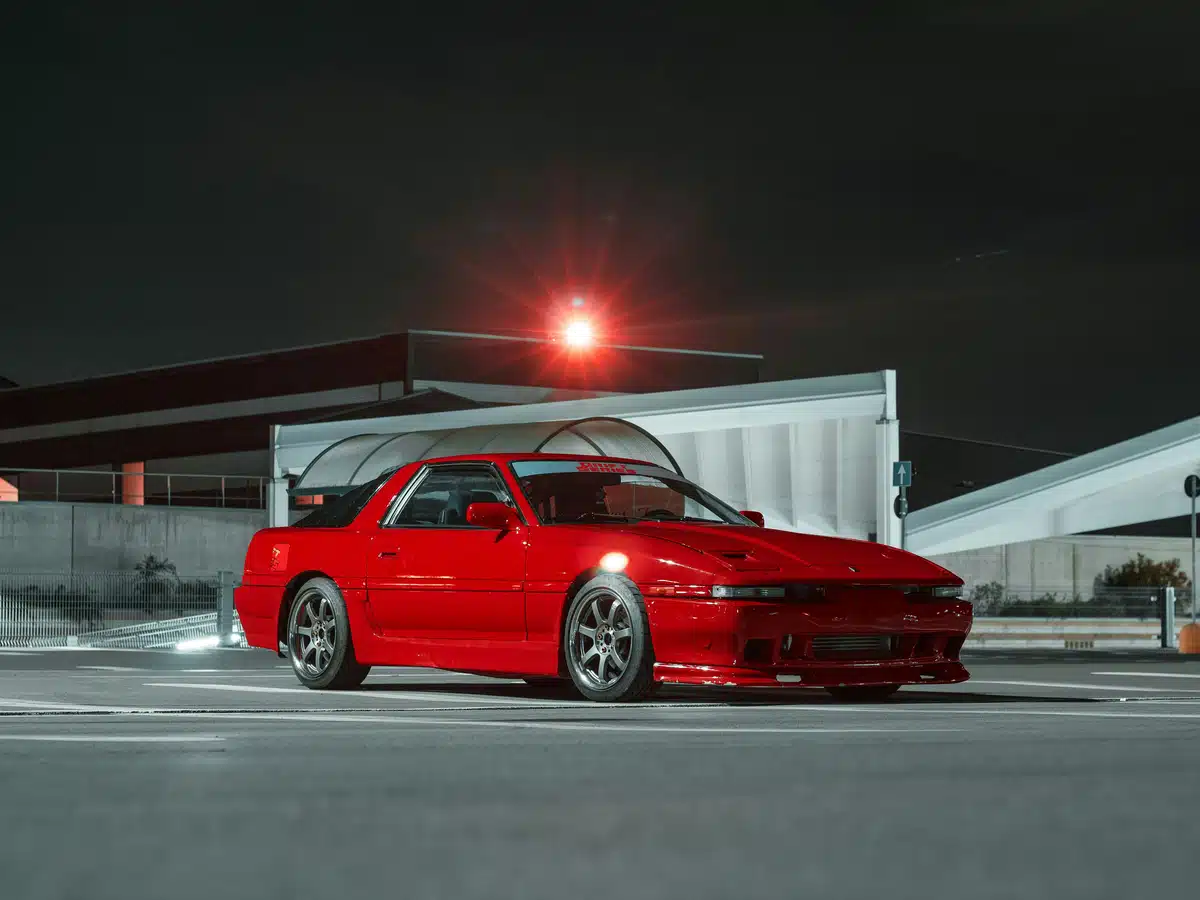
x: 133, y: 484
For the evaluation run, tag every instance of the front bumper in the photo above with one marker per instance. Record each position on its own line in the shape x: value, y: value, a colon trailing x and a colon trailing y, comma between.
x: 862, y: 638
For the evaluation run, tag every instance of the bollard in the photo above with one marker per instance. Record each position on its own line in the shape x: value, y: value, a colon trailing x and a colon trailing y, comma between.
x: 1189, y: 638
x: 1167, y: 598
x: 225, y: 608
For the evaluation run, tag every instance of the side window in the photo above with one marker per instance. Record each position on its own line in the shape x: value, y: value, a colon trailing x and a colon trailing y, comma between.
x: 345, y: 509
x: 444, y: 494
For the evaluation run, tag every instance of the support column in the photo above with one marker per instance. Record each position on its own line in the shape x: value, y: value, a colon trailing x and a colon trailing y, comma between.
x: 887, y: 452
x: 133, y: 483
x: 277, y: 503
x: 225, y: 609
x: 277, y: 487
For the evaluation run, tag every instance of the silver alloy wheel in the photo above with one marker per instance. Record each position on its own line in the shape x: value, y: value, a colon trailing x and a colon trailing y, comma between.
x: 313, y: 633
x: 602, y: 639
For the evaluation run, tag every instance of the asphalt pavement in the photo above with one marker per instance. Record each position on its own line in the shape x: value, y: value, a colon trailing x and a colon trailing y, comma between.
x: 131, y: 775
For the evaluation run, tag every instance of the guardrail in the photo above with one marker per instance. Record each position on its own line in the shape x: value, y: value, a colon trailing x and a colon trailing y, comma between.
x: 1069, y: 634
x: 1099, y: 602
x: 135, y: 488
x: 127, y: 609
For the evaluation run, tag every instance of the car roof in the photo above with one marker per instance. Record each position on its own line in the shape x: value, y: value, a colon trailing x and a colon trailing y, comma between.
x: 516, y: 457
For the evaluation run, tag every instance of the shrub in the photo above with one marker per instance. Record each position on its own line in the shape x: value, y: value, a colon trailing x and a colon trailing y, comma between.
x: 1141, y: 571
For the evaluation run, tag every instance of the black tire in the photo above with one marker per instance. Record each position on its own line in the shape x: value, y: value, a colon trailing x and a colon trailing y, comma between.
x: 863, y: 693
x: 635, y: 649
x: 335, y: 666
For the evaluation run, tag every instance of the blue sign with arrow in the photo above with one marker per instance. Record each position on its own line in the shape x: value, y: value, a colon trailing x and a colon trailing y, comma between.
x: 902, y: 473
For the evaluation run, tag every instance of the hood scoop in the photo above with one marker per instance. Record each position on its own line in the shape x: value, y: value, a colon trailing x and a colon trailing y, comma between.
x: 743, y: 560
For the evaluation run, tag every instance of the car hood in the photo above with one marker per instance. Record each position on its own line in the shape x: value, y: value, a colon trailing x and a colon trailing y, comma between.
x: 751, y: 549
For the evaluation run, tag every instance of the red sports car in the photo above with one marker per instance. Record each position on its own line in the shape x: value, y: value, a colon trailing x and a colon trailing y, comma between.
x: 613, y: 573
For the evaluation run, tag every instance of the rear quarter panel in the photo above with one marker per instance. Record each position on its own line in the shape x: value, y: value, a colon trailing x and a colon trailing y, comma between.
x: 277, y: 557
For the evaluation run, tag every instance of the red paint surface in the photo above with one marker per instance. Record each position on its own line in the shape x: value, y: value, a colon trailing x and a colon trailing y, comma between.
x: 491, y: 600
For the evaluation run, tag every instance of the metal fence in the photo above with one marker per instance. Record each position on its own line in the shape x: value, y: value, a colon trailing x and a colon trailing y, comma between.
x: 138, y: 488
x: 113, y: 609
x: 1102, y: 602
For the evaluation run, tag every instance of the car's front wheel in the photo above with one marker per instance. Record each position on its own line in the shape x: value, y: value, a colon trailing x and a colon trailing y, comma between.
x: 606, y: 641
x: 863, y: 693
x: 320, y: 645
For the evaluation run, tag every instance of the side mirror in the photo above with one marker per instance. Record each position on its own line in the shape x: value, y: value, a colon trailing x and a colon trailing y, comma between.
x: 493, y: 515
x: 755, y: 517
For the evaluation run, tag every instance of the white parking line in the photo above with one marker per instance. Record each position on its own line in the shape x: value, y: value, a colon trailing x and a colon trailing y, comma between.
x: 373, y: 695
x: 1149, y: 674
x: 115, y: 738
x: 113, y: 668
x: 1076, y: 686
x: 559, y: 726
x: 240, y: 673
x: 63, y: 707
x: 213, y: 686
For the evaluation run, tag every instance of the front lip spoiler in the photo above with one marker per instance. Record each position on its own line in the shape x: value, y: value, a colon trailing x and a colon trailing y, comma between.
x: 856, y: 674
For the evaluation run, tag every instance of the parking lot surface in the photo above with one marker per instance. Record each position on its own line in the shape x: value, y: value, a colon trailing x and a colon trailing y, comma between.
x: 145, y: 774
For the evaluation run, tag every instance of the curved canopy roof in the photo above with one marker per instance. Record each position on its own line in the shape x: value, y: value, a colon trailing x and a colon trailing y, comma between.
x: 357, y: 459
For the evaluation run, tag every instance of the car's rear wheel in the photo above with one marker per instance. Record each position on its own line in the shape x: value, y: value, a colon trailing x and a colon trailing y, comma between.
x: 606, y: 641
x: 863, y: 693
x: 320, y: 645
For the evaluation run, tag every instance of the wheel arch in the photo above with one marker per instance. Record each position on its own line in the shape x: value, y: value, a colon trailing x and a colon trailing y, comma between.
x: 572, y: 589
x: 285, y: 602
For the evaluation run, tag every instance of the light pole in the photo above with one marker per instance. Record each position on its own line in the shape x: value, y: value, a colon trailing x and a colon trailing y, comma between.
x: 1191, y: 487
x: 1189, y: 635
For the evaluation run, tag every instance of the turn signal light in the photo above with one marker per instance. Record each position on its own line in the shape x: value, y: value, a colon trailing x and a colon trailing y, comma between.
x: 742, y: 592
x: 614, y: 562
x: 937, y: 592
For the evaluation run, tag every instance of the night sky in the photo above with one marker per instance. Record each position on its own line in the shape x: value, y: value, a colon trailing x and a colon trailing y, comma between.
x: 1000, y: 204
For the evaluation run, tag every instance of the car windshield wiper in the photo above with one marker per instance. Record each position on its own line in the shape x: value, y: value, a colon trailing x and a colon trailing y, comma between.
x: 681, y: 519
x: 598, y: 516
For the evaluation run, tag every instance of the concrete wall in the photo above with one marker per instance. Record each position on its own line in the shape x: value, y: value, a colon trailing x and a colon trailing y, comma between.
x: 1064, y: 566
x: 93, y: 537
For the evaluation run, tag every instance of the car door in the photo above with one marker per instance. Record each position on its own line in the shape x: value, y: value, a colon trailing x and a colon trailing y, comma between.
x: 431, y: 575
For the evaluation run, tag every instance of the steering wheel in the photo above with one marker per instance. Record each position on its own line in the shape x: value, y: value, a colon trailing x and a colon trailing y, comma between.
x: 657, y: 513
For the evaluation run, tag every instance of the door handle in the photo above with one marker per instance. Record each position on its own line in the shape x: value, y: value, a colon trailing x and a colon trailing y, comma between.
x: 387, y: 554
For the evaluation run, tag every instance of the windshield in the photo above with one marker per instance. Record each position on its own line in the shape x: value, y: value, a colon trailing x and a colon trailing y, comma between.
x: 562, y: 491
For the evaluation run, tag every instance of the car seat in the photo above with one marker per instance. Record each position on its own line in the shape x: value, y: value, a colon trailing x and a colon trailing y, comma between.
x: 455, y: 510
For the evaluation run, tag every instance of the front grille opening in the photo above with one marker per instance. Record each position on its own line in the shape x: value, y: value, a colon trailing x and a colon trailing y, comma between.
x: 758, y: 650
x: 928, y: 645
x: 793, y: 646
x: 855, y: 646
x: 954, y: 645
